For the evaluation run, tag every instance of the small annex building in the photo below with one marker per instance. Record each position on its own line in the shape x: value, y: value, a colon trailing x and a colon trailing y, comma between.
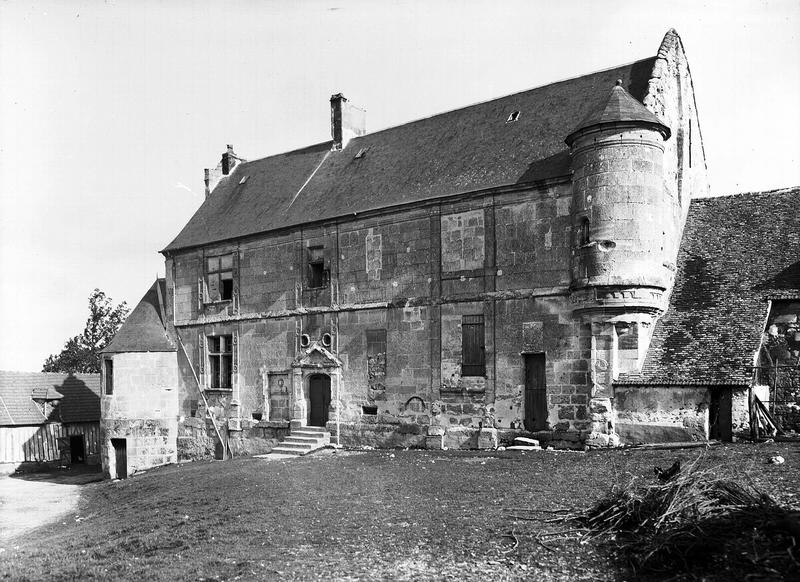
x: 140, y: 404
x: 48, y: 419
x: 519, y: 266
x: 732, y: 326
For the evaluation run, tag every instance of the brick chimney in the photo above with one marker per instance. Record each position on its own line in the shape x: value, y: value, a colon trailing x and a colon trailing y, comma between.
x: 347, y: 121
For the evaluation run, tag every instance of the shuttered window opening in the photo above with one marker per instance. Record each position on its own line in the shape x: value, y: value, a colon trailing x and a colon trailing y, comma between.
x: 473, y: 352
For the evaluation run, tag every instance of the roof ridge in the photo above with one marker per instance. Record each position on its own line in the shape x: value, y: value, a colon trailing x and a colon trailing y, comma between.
x: 474, y: 104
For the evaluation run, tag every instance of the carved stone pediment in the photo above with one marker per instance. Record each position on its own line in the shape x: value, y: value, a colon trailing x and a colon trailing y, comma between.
x: 316, y: 356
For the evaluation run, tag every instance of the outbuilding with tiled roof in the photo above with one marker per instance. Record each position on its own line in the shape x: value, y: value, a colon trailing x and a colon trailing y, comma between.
x: 48, y: 418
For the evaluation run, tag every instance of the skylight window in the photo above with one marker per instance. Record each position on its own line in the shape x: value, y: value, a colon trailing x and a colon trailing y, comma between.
x: 513, y: 117
x: 361, y: 153
x: 243, y: 180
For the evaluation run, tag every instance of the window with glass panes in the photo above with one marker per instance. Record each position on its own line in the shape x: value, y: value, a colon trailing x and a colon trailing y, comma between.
x: 219, y: 278
x: 220, y: 361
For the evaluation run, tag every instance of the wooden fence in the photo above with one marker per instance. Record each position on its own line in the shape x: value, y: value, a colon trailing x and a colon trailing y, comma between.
x: 47, y: 442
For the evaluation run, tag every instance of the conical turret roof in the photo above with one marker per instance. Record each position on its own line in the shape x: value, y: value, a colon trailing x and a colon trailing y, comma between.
x: 619, y: 107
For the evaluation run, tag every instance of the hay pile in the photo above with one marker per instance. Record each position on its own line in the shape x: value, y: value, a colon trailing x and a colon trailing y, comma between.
x: 698, y: 523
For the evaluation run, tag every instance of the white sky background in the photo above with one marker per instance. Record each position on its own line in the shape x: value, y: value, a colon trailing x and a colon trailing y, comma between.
x: 109, y: 111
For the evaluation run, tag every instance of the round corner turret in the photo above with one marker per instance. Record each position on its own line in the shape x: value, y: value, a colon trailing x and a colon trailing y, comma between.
x: 619, y: 203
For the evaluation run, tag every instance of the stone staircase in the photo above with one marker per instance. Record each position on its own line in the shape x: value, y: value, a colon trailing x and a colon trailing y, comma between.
x: 304, y: 440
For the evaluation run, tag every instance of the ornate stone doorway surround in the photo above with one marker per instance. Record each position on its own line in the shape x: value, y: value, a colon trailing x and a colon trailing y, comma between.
x: 313, y: 360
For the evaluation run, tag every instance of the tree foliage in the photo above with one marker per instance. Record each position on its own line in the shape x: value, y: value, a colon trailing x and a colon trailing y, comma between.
x: 81, y: 353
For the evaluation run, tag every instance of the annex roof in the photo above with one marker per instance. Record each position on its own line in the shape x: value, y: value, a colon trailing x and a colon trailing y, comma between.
x: 79, y: 396
x: 145, y: 328
x: 737, y: 253
x: 466, y: 150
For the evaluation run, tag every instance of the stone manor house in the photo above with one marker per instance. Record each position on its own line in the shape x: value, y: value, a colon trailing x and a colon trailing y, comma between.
x: 543, y: 263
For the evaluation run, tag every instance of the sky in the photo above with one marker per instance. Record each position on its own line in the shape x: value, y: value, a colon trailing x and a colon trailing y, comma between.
x: 110, y: 111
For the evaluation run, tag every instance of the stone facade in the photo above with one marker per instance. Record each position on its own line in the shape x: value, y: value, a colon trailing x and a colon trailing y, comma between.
x: 512, y: 260
x: 455, y: 320
x: 140, y: 415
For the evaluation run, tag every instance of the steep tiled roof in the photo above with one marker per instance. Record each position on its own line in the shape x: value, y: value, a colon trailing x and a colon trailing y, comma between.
x: 145, y: 328
x: 460, y: 151
x: 737, y: 252
x: 619, y: 107
x: 80, y: 397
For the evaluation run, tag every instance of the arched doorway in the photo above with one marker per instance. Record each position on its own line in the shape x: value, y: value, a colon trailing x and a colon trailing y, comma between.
x: 319, y: 395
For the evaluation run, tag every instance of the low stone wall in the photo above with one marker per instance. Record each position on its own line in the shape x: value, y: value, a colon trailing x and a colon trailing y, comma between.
x: 383, y: 435
x: 148, y: 442
x: 653, y: 414
x: 197, y: 438
x: 379, y: 435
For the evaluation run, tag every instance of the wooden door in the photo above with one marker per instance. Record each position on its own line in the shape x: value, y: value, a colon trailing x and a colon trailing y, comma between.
x: 121, y: 455
x: 535, y: 392
x: 319, y: 393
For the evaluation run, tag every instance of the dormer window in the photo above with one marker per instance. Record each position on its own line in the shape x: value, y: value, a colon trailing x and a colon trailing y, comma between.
x: 361, y: 153
x: 513, y: 117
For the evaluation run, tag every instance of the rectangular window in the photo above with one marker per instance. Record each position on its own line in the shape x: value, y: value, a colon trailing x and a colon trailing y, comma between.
x: 473, y: 360
x: 317, y: 273
x: 376, y: 342
x: 109, y: 373
x: 219, y: 278
x: 220, y: 361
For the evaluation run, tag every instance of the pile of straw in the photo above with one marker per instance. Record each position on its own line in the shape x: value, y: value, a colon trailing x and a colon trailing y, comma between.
x: 698, y: 522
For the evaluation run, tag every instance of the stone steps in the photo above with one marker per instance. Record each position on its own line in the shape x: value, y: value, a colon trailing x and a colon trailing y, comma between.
x: 303, y: 441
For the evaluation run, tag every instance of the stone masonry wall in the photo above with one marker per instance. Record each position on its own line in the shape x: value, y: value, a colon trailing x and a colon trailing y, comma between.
x: 414, y: 275
x: 143, y: 410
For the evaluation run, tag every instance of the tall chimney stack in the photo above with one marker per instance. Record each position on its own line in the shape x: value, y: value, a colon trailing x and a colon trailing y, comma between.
x: 224, y: 168
x: 347, y: 121
x: 228, y: 161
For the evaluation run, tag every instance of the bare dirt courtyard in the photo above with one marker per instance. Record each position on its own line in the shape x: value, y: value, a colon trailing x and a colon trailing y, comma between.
x: 357, y: 515
x: 30, y: 500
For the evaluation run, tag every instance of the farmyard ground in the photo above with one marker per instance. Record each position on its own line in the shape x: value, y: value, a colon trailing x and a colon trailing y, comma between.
x: 377, y: 515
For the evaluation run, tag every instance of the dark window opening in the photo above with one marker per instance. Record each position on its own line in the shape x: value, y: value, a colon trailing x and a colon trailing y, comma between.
x: 193, y: 408
x: 109, y: 369
x: 220, y: 361
x: 318, y: 275
x: 583, y: 233
x: 513, y: 117
x: 369, y: 409
x: 473, y: 350
x: 219, y: 278
x: 258, y: 416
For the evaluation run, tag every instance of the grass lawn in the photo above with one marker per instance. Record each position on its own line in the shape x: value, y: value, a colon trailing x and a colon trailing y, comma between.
x: 377, y: 515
